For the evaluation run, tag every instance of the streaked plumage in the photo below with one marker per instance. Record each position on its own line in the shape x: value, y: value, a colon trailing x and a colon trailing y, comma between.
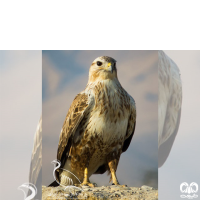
x: 169, y: 105
x: 99, y: 125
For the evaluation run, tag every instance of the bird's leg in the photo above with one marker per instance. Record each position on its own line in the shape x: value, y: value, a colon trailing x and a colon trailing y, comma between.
x: 86, y: 180
x: 112, y: 166
x: 113, y: 160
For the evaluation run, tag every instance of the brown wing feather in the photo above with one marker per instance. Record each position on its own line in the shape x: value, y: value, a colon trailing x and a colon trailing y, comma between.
x: 130, y: 127
x: 72, y: 120
x: 128, y: 140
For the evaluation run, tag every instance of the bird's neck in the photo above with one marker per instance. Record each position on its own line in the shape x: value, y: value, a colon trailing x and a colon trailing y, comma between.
x: 105, y: 85
x: 105, y: 90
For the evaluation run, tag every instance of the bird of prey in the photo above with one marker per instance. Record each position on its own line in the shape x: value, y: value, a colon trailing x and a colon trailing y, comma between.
x: 98, y: 127
x: 169, y: 105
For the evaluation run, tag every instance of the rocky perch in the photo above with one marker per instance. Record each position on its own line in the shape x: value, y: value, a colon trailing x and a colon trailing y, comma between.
x: 100, y: 193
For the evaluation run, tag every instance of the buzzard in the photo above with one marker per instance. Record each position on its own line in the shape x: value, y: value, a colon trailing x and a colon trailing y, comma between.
x: 98, y: 127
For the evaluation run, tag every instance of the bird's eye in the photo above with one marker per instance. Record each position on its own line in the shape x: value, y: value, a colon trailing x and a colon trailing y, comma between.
x: 99, y: 63
x: 114, y: 65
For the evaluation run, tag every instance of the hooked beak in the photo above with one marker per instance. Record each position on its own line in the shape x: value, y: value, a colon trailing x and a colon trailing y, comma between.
x: 110, y: 67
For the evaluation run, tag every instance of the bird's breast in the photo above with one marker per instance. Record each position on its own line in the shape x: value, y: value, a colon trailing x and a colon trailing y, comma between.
x: 109, y: 116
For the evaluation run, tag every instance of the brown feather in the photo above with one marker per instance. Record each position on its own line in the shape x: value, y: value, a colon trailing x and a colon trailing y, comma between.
x: 128, y: 140
x: 72, y: 120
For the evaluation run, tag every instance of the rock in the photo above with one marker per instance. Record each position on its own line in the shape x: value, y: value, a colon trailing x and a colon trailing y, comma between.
x: 119, y: 188
x: 145, y: 187
x: 100, y: 193
x: 117, y: 194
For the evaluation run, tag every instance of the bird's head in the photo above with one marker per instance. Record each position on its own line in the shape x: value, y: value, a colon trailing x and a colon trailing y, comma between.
x: 102, y: 68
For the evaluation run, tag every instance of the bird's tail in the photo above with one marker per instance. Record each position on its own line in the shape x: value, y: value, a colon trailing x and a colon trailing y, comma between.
x: 54, y: 184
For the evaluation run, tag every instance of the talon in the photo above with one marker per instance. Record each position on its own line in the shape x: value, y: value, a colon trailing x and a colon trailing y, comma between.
x: 88, y: 184
x: 124, y: 185
x: 116, y: 183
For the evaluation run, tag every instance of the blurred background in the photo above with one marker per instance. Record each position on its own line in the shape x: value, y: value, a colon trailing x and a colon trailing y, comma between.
x: 20, y: 110
x: 183, y: 163
x: 65, y: 74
